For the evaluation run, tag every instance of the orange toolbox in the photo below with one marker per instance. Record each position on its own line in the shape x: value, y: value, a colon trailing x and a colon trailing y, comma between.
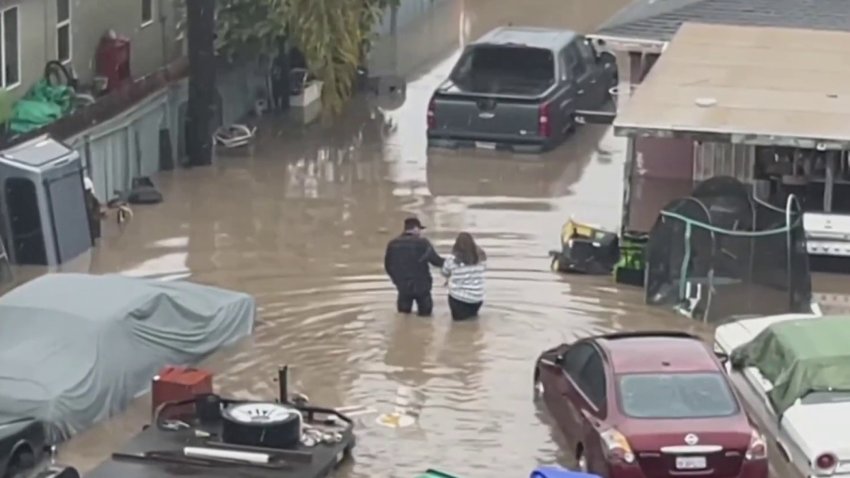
x: 175, y: 384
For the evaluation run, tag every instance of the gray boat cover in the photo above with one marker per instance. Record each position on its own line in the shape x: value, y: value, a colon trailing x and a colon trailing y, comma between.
x: 76, y: 349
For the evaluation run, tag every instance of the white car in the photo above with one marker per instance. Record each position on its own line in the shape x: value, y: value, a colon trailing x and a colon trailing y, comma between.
x: 805, y: 410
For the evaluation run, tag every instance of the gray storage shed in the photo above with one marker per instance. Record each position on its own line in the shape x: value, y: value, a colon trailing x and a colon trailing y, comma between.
x: 44, y: 211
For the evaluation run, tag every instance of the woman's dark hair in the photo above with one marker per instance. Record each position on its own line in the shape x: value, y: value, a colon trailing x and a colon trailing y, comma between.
x: 466, y: 251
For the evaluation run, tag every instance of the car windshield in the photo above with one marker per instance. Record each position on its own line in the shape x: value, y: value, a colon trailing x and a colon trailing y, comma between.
x: 676, y: 395
x: 505, y: 69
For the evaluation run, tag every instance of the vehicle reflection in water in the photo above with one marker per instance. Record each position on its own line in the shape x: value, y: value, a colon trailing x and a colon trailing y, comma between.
x: 483, y: 174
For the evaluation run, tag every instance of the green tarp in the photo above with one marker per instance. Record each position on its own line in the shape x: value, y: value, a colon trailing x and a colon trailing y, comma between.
x: 800, y: 356
x: 42, y: 105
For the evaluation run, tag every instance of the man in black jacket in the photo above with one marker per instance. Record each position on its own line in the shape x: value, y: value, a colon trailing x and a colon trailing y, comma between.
x: 406, y: 262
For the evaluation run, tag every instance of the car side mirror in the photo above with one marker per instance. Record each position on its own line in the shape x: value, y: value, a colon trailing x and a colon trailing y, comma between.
x: 559, y: 359
x: 606, y: 58
x: 723, y: 357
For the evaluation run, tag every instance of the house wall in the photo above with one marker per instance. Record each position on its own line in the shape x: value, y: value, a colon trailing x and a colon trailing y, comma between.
x: 31, y: 42
x: 724, y: 159
x: 657, y: 170
x: 152, y: 46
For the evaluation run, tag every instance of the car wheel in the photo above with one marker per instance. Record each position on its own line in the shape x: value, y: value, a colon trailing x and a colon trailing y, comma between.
x: 581, y: 460
x: 270, y: 425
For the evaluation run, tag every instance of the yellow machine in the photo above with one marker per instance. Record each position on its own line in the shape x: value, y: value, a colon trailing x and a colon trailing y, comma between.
x: 586, y: 249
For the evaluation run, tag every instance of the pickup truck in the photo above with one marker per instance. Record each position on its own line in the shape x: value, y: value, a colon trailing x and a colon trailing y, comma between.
x: 521, y: 89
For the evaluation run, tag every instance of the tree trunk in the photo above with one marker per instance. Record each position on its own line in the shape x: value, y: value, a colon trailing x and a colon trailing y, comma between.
x: 200, y: 22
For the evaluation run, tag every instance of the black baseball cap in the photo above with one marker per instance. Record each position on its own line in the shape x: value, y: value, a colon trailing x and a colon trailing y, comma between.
x: 411, y: 223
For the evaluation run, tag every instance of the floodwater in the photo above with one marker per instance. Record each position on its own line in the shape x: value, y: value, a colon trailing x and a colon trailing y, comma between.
x: 301, y: 224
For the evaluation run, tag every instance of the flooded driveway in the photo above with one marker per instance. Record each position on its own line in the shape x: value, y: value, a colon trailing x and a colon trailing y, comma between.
x: 302, y: 224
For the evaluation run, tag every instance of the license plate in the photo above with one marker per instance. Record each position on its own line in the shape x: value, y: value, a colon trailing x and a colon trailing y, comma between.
x: 690, y: 462
x: 484, y: 145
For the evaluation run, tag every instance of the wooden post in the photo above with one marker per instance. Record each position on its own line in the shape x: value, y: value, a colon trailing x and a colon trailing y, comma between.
x: 200, y: 22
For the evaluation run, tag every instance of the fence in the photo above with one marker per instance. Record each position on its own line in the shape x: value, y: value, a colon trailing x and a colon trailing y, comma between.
x: 130, y: 144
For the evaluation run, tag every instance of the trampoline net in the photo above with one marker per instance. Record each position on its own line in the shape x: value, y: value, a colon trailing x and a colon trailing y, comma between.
x: 721, y: 253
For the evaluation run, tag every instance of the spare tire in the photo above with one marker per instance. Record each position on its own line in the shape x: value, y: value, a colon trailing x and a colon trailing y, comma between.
x: 269, y: 425
x: 58, y: 471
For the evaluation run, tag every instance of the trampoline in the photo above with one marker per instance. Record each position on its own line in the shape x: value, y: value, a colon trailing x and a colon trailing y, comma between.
x: 722, y: 253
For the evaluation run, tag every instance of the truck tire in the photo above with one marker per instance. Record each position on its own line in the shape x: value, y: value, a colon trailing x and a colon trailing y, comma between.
x: 269, y: 425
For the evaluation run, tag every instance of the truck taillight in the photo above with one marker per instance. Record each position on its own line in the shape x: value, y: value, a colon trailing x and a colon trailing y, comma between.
x: 432, y: 115
x: 826, y: 463
x: 543, y: 126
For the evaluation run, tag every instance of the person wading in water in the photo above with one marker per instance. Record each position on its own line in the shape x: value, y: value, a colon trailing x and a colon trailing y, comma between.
x: 464, y: 270
x: 406, y: 262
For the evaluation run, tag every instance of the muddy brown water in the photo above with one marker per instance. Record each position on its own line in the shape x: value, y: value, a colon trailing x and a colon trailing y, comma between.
x: 302, y: 222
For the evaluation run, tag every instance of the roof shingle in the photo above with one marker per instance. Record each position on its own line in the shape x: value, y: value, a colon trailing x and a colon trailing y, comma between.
x: 660, y: 19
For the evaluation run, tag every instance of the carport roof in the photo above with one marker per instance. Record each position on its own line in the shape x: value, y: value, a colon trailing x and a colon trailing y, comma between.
x: 771, y: 86
x: 659, y: 20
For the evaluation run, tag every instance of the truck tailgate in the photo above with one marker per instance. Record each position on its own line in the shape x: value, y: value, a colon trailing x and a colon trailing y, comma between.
x: 484, y: 117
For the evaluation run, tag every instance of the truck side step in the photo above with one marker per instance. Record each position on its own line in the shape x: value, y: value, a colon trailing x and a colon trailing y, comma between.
x: 594, y: 117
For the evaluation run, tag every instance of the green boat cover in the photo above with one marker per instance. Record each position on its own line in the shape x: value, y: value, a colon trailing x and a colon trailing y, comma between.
x: 43, y: 104
x: 799, y: 357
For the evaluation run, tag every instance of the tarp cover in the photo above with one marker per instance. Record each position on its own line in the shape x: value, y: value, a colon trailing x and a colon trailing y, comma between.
x: 799, y: 357
x: 43, y: 104
x: 75, y: 349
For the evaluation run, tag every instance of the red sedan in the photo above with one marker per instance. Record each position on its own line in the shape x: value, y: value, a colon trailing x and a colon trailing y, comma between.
x: 649, y: 405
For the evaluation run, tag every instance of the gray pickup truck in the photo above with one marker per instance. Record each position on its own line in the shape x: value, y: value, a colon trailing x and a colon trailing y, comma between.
x: 519, y: 88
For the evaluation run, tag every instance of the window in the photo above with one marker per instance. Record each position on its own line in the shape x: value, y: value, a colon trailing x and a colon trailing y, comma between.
x: 10, y: 48
x: 147, y: 12
x: 575, y: 358
x: 505, y: 69
x: 63, y: 30
x: 593, y: 381
x: 584, y: 366
x: 676, y: 395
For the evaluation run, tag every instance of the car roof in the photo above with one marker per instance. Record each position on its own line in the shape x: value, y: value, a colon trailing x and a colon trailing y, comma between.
x: 533, y: 37
x: 647, y: 353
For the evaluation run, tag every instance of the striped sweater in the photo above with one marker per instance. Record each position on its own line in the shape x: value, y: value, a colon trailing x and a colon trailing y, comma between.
x: 466, y: 283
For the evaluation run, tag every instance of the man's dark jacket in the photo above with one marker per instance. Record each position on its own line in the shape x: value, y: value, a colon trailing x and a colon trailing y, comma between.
x: 406, y: 262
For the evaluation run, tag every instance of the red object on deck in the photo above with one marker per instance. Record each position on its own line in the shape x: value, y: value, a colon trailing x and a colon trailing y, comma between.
x: 178, y: 384
x: 113, y: 60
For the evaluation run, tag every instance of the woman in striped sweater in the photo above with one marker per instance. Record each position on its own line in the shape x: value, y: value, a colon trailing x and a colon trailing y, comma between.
x: 464, y: 270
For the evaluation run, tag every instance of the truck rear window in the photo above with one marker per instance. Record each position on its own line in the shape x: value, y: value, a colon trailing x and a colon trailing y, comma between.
x: 505, y: 70
x: 676, y: 395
